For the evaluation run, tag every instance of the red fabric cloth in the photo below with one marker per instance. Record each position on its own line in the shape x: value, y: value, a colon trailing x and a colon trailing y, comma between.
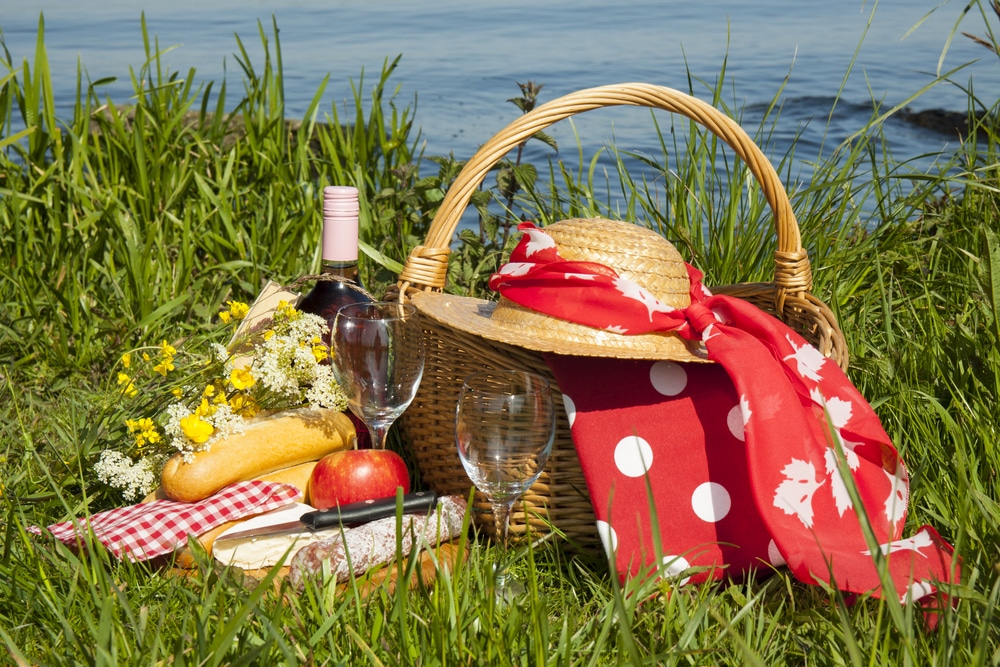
x: 148, y: 530
x: 740, y: 458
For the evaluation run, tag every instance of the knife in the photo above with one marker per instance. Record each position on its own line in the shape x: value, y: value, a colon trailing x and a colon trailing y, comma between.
x: 352, y: 514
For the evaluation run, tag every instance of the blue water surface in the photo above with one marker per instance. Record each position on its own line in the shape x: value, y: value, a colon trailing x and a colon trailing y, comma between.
x: 462, y: 59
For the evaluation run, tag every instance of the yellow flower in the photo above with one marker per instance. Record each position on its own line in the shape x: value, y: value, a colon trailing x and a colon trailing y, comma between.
x: 241, y: 379
x: 205, y: 409
x: 320, y: 351
x: 144, y: 430
x: 129, y: 387
x: 196, y: 429
x: 238, y: 309
x: 145, y: 356
x: 167, y: 350
x: 177, y: 392
x: 165, y: 366
x: 286, y: 312
x: 243, y: 405
x: 269, y: 334
x: 127, y: 360
x: 214, y: 392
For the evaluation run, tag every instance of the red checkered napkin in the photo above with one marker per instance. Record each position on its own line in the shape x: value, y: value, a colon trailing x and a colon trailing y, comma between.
x: 148, y: 530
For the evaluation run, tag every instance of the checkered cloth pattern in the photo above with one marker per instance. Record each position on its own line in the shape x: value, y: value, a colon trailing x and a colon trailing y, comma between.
x: 144, y: 531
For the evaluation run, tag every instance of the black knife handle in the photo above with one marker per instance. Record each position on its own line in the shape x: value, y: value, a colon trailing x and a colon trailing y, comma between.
x: 369, y: 510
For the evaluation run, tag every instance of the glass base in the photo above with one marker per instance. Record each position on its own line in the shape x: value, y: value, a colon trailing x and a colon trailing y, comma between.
x: 506, y: 588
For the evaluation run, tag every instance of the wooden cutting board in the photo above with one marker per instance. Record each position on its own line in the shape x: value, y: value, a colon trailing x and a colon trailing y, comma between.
x: 446, y: 557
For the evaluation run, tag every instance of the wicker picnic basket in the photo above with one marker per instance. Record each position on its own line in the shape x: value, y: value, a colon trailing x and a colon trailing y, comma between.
x: 558, y: 501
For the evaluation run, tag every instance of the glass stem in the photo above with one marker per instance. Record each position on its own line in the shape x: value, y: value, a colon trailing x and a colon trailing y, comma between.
x: 501, y: 518
x: 501, y: 515
x: 379, y: 432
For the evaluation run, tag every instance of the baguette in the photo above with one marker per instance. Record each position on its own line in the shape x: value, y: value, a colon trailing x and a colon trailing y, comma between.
x: 282, y: 440
x: 296, y: 475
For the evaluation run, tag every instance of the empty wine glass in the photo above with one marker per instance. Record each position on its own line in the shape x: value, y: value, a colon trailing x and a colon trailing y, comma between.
x: 378, y: 360
x: 504, y: 428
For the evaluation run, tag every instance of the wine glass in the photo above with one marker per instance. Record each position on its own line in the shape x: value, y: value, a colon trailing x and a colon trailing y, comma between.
x: 378, y: 360
x: 504, y: 428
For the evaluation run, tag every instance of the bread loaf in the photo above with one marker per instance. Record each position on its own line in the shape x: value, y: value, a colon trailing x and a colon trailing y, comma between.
x: 296, y: 475
x: 282, y: 440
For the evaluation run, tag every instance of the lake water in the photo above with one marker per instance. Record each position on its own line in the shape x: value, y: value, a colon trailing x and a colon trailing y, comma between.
x: 463, y: 59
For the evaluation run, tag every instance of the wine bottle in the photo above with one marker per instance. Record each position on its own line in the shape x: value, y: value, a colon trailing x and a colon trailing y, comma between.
x: 340, y: 283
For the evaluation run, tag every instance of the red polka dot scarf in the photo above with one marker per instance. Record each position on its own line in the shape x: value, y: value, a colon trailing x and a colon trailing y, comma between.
x: 768, y: 457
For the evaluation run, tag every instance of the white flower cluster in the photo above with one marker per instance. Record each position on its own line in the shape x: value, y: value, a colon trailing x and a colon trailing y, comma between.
x: 286, y: 363
x: 220, y: 352
x: 324, y: 392
x: 135, y: 479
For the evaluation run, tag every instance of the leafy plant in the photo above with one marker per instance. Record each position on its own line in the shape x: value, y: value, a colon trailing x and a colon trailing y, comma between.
x: 478, y: 255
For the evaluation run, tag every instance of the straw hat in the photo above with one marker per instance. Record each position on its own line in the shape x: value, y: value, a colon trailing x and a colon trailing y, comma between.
x: 636, y: 253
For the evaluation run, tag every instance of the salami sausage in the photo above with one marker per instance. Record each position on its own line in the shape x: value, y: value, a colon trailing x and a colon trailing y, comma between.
x: 353, y: 551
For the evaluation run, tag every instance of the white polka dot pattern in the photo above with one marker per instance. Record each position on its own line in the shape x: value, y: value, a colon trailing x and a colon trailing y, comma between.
x: 680, y: 447
x: 609, y: 538
x: 674, y: 566
x: 734, y: 420
x: 711, y: 502
x: 570, y: 407
x: 633, y: 456
x: 774, y: 556
x: 668, y: 378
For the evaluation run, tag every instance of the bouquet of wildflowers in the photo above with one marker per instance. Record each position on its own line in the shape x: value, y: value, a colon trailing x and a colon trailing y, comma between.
x: 198, y: 399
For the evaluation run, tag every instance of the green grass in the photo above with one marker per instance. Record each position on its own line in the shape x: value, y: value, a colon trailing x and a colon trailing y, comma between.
x: 122, y: 226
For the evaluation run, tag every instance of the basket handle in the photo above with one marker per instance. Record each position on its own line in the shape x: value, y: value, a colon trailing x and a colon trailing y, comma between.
x: 426, y: 267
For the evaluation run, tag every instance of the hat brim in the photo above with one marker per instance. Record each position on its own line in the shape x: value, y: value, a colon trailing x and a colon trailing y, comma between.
x: 534, y: 331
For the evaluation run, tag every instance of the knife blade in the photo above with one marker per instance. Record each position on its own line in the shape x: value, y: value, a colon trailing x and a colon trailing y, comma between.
x: 352, y: 514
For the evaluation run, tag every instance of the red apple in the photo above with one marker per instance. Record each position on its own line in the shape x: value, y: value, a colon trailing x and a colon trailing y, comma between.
x: 355, y: 475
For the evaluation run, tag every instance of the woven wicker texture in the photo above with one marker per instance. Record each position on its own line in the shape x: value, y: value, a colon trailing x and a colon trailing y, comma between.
x: 559, y: 501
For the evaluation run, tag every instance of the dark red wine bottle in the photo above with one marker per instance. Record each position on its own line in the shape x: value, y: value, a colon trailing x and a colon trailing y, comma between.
x: 342, y: 284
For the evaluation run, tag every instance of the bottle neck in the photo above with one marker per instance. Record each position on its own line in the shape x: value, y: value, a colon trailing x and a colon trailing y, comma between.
x: 341, y: 269
x: 340, y: 238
